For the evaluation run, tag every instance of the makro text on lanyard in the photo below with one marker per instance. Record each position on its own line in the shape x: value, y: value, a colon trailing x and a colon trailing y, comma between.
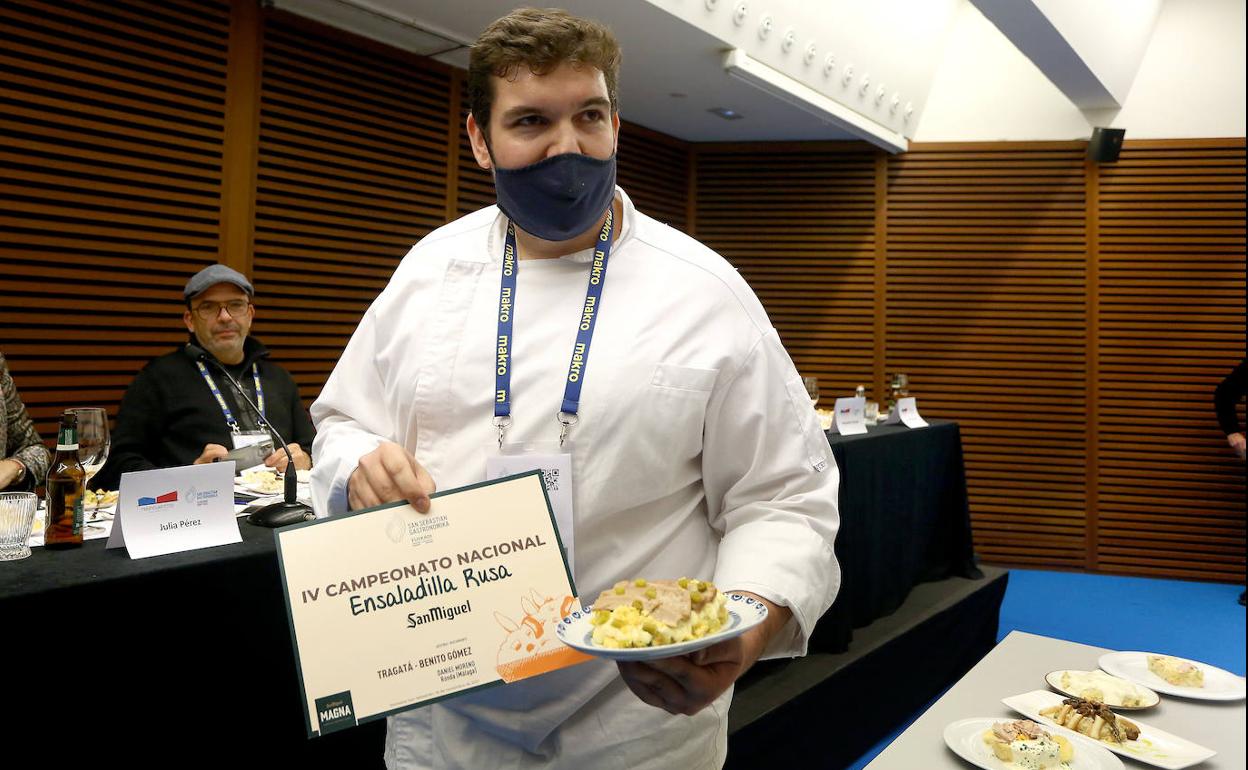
x: 225, y: 408
x: 585, y: 331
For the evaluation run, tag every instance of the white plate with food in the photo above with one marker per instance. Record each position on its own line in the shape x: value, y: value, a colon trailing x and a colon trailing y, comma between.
x: 1175, y: 676
x: 617, y: 630
x: 1006, y: 744
x: 267, y: 482
x: 1125, y: 737
x: 1113, y: 691
x: 99, y: 506
x: 261, y: 483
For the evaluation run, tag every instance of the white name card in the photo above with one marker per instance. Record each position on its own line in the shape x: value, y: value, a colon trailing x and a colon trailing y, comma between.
x: 907, y: 413
x: 848, y: 416
x: 169, y: 510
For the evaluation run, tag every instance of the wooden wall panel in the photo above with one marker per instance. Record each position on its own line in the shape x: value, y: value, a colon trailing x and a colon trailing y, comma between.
x: 654, y: 170
x: 1171, y: 236
x: 476, y: 186
x: 799, y: 223
x: 985, y: 298
x: 351, y: 173
x: 111, y: 135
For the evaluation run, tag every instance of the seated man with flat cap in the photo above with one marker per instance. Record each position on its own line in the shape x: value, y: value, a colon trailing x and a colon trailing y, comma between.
x: 180, y: 410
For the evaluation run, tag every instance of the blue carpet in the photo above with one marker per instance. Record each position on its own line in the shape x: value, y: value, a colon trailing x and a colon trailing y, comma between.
x: 1201, y: 621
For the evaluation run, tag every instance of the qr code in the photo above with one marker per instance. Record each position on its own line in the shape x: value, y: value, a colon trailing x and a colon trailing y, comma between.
x: 550, y: 477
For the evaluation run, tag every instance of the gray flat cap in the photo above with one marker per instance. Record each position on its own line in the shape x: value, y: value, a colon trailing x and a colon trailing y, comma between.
x: 211, y: 276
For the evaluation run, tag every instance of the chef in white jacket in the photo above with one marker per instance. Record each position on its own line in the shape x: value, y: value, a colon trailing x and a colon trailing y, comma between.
x: 564, y: 313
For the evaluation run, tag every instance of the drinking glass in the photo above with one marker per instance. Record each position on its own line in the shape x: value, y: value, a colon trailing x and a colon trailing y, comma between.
x: 812, y: 389
x: 17, y: 516
x: 92, y: 438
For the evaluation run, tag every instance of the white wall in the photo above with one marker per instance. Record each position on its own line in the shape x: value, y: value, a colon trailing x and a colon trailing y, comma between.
x: 1110, y: 37
x: 1190, y: 83
x: 896, y: 44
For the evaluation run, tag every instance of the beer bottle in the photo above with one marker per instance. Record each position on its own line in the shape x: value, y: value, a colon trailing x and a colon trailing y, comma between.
x: 65, y: 487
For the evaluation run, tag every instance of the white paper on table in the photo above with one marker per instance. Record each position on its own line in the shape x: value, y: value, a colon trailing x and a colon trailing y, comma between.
x: 908, y: 412
x: 848, y: 416
x: 555, y: 463
x: 169, y: 510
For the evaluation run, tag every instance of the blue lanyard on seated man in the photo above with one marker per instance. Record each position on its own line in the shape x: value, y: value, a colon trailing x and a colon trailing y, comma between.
x: 225, y: 408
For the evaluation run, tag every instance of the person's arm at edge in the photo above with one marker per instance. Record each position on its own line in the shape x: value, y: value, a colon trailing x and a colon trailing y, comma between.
x: 1226, y: 397
x: 1227, y: 394
x: 23, y: 443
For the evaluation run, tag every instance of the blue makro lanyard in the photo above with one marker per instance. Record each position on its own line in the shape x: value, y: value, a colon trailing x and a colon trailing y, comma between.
x: 225, y: 408
x: 585, y: 333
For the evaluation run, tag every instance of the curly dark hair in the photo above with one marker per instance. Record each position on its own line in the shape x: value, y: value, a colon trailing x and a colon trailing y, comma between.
x: 540, y: 39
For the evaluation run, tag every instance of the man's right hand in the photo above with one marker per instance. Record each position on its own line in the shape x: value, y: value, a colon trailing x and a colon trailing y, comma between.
x: 1236, y: 440
x: 387, y: 474
x: 211, y: 453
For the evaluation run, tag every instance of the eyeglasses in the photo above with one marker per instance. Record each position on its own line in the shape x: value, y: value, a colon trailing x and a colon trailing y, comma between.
x: 210, y: 310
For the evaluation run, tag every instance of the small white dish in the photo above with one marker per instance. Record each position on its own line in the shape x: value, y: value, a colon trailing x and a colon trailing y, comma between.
x: 1150, y: 698
x: 1220, y: 684
x: 966, y: 739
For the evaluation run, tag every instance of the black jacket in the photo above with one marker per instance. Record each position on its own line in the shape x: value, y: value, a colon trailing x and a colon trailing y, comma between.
x: 168, y: 413
x: 1229, y: 393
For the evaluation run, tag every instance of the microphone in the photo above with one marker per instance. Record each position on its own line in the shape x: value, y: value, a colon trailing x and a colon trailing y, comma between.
x: 289, y: 510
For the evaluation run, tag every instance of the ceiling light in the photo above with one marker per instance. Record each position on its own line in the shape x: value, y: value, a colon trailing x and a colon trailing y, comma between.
x: 742, y: 66
x: 726, y: 113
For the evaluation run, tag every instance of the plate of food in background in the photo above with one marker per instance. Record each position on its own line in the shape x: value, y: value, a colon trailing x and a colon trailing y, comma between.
x: 99, y: 505
x: 1125, y: 737
x: 1113, y: 691
x: 1005, y: 744
x: 1174, y: 676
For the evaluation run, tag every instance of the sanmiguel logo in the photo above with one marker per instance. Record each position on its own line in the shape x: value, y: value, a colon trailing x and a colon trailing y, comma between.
x: 168, y: 497
x: 335, y: 712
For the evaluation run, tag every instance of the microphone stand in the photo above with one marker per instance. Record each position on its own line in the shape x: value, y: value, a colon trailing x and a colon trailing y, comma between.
x: 289, y: 510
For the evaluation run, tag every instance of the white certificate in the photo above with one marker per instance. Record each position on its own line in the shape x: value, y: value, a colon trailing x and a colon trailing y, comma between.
x: 391, y: 609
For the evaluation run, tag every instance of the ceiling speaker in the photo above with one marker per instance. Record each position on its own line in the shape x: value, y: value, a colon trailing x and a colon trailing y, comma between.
x: 1105, y: 144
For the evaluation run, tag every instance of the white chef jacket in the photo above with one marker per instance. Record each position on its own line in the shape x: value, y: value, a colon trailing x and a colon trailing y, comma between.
x: 697, y: 453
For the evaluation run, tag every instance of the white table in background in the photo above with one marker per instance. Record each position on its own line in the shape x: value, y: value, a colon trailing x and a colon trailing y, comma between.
x: 1018, y: 665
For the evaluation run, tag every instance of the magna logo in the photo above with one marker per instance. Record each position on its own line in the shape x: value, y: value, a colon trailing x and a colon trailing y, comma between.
x: 335, y: 712
x: 168, y: 497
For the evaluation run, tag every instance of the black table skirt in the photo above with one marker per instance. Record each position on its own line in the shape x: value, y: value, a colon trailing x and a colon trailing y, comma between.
x: 179, y: 660
x: 904, y: 520
x: 188, y: 657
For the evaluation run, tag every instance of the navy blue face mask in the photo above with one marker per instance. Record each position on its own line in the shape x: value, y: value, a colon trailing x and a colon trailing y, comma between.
x: 558, y: 198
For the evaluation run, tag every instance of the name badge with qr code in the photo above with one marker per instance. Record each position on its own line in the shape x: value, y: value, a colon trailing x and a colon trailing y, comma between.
x: 556, y: 467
